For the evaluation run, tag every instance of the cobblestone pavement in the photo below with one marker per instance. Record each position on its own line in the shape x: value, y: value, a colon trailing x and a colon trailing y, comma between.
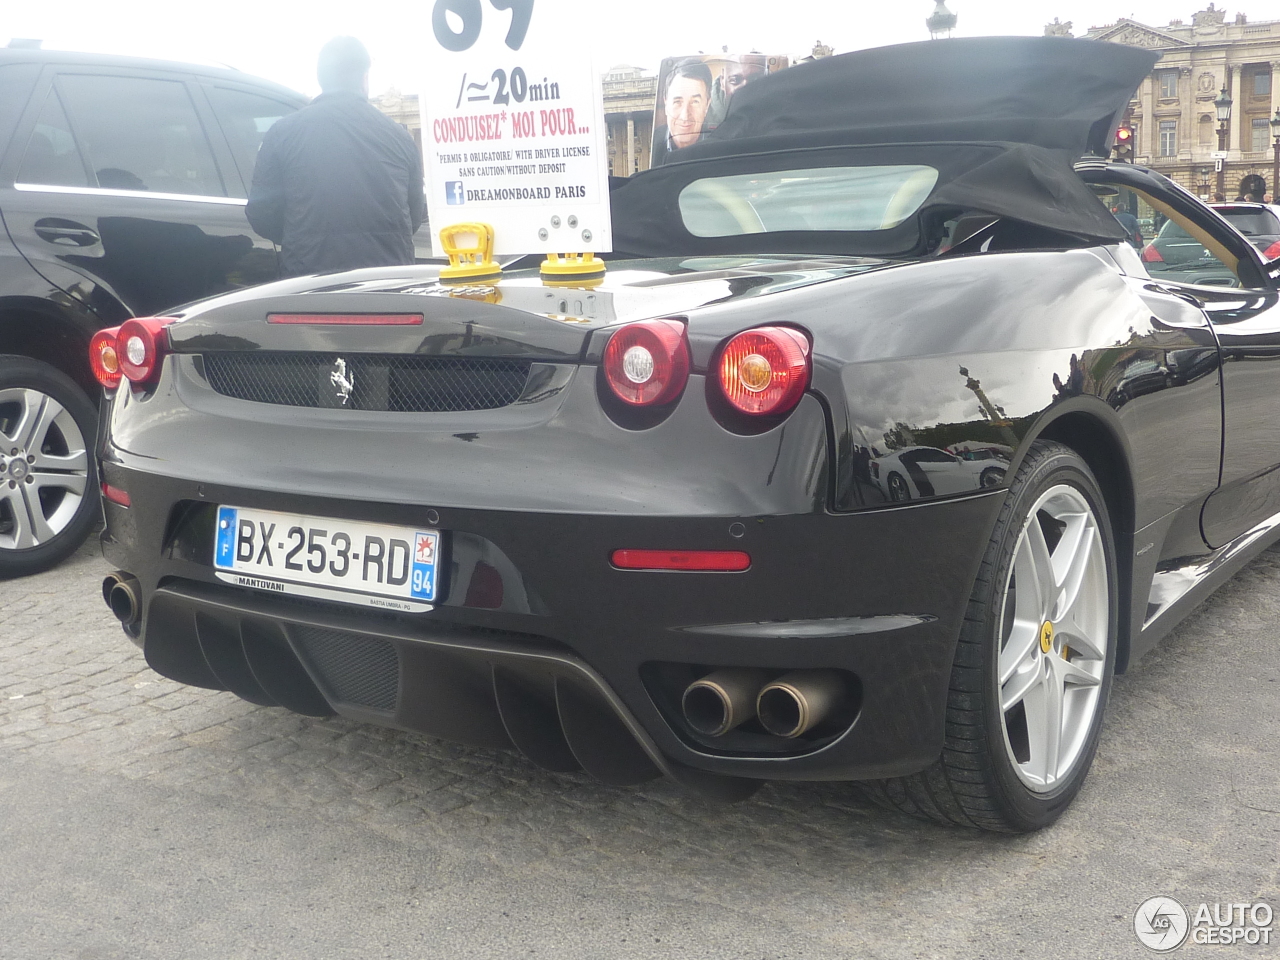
x: 143, y: 819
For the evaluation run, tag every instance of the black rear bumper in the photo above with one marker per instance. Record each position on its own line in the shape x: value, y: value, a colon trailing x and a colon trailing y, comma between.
x: 571, y: 660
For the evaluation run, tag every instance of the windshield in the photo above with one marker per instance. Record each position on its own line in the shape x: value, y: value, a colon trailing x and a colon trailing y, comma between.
x: 1253, y: 223
x: 820, y: 199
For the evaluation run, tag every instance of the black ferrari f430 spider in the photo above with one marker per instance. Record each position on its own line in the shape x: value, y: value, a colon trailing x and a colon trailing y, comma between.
x: 875, y: 455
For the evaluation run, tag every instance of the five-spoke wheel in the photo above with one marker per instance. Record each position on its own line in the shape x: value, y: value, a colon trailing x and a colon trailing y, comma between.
x: 47, y: 495
x: 1054, y: 638
x: 1034, y: 659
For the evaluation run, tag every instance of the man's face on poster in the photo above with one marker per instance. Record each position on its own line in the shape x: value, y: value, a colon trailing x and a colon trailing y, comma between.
x: 686, y: 107
x: 738, y: 73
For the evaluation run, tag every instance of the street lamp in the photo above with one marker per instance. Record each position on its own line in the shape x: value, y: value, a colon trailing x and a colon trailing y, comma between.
x: 941, y: 21
x: 1275, y: 164
x: 1223, y: 105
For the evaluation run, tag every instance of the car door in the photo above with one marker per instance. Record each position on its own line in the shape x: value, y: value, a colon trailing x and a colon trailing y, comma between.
x: 112, y: 175
x: 1229, y: 282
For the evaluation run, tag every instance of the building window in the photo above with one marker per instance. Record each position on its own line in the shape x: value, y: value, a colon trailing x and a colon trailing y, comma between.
x: 1262, y: 84
x: 1169, y: 85
x: 1168, y: 138
x: 1261, y: 135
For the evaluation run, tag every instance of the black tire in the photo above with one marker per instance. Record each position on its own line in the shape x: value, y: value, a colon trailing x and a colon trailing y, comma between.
x: 975, y: 782
x: 68, y: 521
x: 899, y: 491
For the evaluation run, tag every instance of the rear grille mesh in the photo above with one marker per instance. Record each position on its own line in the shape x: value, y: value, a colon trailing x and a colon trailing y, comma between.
x: 395, y: 383
x: 364, y: 671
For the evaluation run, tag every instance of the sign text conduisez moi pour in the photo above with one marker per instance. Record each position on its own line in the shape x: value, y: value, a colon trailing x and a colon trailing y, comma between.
x: 513, y: 126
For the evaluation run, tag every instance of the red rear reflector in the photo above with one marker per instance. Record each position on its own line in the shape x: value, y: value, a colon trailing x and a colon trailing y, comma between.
x: 1151, y: 255
x: 115, y: 494
x: 349, y: 319
x: 715, y: 560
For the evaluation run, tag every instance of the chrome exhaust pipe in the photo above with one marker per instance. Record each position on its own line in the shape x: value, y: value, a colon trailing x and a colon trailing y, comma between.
x: 722, y: 700
x: 799, y: 701
x: 123, y: 594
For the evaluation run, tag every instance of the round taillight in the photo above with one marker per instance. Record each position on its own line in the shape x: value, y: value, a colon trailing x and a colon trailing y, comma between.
x: 103, y: 360
x: 140, y: 346
x: 765, y: 371
x: 647, y: 363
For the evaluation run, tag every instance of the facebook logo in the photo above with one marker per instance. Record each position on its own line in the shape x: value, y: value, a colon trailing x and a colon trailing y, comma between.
x: 453, y: 193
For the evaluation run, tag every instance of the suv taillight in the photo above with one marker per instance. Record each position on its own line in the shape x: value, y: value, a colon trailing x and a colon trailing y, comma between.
x: 1272, y: 252
x: 765, y: 371
x: 140, y: 346
x: 647, y: 363
x: 103, y: 360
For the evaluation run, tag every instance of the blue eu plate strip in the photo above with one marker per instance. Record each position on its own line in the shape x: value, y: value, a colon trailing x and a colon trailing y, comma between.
x: 224, y: 554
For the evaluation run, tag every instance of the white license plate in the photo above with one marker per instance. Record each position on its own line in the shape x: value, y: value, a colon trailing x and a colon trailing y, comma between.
x: 374, y: 564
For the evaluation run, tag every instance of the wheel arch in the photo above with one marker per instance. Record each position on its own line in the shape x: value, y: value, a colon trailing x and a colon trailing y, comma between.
x: 32, y: 327
x: 1098, y: 440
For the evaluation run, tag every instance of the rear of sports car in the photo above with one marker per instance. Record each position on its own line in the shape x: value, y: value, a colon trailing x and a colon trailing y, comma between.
x: 595, y: 525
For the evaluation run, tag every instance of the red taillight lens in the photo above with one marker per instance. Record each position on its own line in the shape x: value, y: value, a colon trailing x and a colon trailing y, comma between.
x: 1151, y: 255
x: 765, y: 371
x: 1272, y: 252
x: 103, y: 360
x: 140, y: 346
x: 722, y: 561
x: 647, y: 363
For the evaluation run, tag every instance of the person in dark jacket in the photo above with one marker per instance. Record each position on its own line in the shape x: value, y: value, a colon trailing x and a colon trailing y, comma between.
x: 338, y: 185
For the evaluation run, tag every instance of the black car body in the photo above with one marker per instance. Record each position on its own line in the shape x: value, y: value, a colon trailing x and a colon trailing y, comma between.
x: 122, y: 192
x: 1003, y: 312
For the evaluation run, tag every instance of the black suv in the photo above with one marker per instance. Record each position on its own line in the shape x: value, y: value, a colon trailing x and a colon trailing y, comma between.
x: 122, y: 193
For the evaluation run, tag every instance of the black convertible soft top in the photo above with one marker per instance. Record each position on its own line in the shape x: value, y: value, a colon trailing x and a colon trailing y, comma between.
x: 1003, y: 118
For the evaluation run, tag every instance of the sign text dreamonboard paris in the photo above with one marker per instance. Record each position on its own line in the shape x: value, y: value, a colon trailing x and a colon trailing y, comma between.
x: 513, y: 126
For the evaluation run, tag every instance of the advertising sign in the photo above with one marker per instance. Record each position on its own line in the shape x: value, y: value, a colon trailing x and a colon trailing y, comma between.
x: 513, y: 130
x: 694, y: 93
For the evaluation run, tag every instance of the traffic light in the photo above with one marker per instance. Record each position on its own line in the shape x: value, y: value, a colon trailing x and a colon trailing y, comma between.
x: 1123, y: 149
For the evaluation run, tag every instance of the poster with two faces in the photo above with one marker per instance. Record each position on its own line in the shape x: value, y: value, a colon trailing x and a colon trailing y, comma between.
x: 694, y: 94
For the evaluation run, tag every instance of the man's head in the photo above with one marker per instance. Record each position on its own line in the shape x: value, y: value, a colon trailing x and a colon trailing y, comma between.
x: 739, y: 71
x: 685, y: 101
x: 343, y: 66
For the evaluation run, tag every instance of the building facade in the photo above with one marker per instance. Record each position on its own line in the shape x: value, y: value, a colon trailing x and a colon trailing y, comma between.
x: 1173, y: 115
x: 629, y: 98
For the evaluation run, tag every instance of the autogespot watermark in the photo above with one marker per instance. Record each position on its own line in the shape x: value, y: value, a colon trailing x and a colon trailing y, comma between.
x: 1164, y: 924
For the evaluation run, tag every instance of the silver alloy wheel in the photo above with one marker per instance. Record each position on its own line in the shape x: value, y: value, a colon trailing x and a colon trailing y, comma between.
x: 1054, y: 627
x: 44, y: 468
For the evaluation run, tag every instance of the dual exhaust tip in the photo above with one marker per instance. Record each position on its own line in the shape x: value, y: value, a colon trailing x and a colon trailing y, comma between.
x: 788, y: 706
x: 123, y: 594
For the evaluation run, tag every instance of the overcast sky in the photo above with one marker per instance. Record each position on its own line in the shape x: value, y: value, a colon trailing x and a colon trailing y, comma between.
x: 278, y: 39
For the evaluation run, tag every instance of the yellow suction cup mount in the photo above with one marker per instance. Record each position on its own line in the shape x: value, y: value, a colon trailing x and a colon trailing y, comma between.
x: 571, y: 268
x: 469, y: 247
